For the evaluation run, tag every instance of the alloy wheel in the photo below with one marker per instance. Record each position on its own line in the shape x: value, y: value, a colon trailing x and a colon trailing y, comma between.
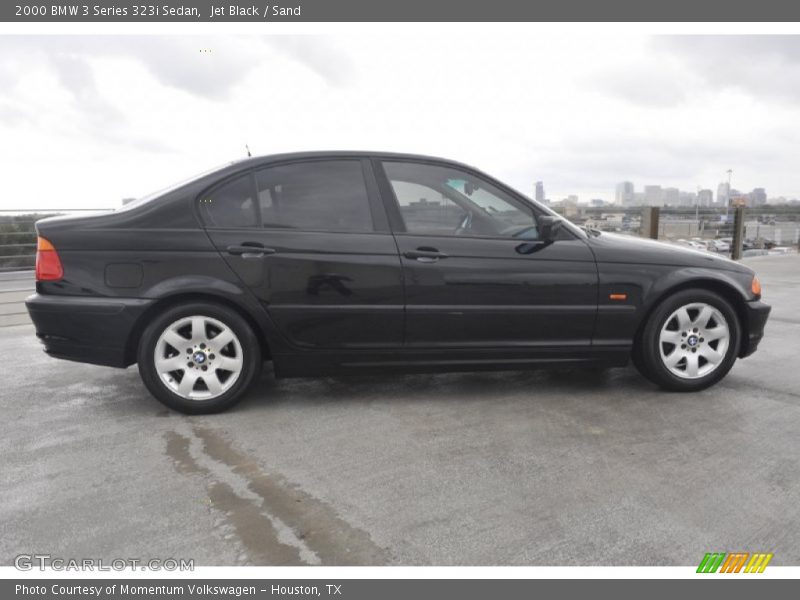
x: 694, y: 340
x: 198, y: 358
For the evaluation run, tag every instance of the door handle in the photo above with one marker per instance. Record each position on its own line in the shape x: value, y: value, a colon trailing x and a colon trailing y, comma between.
x: 250, y: 250
x: 425, y: 254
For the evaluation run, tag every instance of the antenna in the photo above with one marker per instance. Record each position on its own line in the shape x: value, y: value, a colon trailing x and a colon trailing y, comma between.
x: 248, y: 150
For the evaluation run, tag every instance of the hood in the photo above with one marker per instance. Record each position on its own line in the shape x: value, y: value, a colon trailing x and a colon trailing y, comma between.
x: 616, y: 248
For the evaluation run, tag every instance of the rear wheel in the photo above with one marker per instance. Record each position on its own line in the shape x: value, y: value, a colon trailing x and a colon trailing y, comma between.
x: 198, y: 358
x: 690, y: 341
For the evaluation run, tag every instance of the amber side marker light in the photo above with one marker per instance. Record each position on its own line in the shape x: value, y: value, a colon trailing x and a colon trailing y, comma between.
x: 48, y: 264
x: 618, y: 296
x: 755, y: 287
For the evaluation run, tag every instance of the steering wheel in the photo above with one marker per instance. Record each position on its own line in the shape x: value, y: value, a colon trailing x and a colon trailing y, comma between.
x: 465, y: 224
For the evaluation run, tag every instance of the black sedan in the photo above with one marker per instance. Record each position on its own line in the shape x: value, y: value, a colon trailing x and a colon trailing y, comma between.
x: 351, y: 262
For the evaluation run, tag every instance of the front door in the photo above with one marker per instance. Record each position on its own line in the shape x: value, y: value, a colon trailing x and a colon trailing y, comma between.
x: 476, y: 272
x: 311, y: 243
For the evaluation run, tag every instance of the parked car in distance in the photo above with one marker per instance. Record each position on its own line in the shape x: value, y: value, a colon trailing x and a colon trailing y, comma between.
x: 331, y: 263
x: 719, y: 246
x: 695, y: 245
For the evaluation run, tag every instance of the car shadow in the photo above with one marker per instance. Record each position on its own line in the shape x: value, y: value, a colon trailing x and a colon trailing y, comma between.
x: 442, y: 387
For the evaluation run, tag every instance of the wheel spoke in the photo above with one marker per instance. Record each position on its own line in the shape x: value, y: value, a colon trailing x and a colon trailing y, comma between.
x: 684, y: 320
x: 228, y: 363
x: 176, y: 340
x: 198, y: 329
x: 212, y: 382
x: 716, y: 333
x: 671, y: 337
x: 704, y: 316
x: 673, y: 359
x: 692, y: 364
x: 222, y: 339
x: 173, y: 363
x: 711, y: 355
x: 187, y: 383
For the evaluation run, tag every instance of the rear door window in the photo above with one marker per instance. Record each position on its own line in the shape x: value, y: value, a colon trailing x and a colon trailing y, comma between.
x: 318, y: 196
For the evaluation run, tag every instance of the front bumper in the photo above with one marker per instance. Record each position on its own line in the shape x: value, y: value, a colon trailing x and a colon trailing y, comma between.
x: 86, y: 329
x: 756, y: 318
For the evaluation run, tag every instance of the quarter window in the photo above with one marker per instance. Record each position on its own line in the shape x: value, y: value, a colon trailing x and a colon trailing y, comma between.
x: 324, y: 195
x: 436, y: 200
x: 231, y: 205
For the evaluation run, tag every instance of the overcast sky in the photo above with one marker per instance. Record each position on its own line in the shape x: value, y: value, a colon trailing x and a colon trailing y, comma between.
x: 86, y: 121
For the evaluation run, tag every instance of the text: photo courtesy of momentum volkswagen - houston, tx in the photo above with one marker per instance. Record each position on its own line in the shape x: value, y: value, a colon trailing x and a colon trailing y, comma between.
x: 357, y: 262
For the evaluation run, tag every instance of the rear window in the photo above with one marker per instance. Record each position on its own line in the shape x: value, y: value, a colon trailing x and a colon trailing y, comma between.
x: 231, y: 204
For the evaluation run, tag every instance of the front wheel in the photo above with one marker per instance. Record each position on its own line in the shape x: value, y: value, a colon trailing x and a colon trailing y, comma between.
x: 198, y: 358
x: 690, y: 341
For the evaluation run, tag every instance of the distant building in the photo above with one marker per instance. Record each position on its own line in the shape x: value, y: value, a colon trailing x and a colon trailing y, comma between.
x: 570, y: 206
x: 539, y: 195
x: 625, y: 194
x: 705, y: 198
x: 653, y: 195
x: 723, y: 193
x: 596, y: 202
x: 671, y: 196
x: 688, y: 198
x: 758, y: 197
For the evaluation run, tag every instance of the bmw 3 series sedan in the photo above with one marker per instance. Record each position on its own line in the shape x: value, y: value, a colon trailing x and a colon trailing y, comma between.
x: 331, y: 263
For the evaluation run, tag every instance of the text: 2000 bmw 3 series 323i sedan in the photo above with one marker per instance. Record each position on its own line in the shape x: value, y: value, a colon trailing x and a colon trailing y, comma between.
x: 344, y: 262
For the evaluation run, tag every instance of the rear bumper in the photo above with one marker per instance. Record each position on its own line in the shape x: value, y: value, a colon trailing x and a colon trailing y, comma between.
x: 86, y: 329
x: 757, y: 314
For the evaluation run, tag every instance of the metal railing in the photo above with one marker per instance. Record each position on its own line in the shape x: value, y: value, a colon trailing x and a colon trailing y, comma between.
x: 18, y: 236
x: 764, y: 228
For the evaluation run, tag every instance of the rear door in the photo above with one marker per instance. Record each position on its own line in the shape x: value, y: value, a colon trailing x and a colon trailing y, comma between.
x: 311, y: 240
x: 477, y: 274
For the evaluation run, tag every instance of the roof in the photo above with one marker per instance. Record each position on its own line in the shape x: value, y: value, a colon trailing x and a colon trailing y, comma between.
x: 270, y: 158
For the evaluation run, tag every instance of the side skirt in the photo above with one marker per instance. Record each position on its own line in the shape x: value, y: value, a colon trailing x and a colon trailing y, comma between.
x: 328, y: 363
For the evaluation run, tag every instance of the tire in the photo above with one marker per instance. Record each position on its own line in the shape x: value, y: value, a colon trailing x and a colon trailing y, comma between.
x: 184, y: 364
x: 673, y: 351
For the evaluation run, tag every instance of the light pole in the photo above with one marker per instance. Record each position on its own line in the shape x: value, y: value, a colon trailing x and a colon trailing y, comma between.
x: 697, y: 208
x: 728, y: 196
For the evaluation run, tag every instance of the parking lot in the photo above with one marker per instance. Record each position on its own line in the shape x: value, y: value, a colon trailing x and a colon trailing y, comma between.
x: 517, y: 468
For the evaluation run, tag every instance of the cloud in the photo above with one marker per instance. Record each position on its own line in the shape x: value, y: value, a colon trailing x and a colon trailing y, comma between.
x: 762, y: 66
x: 320, y: 55
x: 76, y: 76
x: 648, y: 85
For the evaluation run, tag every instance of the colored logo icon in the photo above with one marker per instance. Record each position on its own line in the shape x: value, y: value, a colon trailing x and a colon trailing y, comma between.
x: 734, y: 562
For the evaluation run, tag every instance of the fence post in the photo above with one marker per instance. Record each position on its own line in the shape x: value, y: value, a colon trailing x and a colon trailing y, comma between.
x: 738, y: 233
x: 650, y: 222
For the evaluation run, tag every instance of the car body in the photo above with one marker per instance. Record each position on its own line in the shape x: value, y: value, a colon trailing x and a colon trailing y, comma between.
x: 330, y: 263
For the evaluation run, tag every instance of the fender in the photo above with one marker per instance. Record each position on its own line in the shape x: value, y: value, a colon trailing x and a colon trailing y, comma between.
x: 184, y: 286
x: 646, y: 286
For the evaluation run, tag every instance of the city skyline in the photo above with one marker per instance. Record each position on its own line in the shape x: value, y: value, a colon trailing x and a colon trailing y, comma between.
x: 627, y: 194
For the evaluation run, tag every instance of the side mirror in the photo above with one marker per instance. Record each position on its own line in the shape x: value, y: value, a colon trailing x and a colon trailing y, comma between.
x: 549, y: 227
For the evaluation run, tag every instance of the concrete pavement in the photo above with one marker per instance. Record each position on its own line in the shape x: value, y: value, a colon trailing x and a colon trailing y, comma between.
x: 513, y: 468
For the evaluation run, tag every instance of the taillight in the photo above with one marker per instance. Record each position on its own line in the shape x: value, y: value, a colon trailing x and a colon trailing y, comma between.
x: 48, y: 265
